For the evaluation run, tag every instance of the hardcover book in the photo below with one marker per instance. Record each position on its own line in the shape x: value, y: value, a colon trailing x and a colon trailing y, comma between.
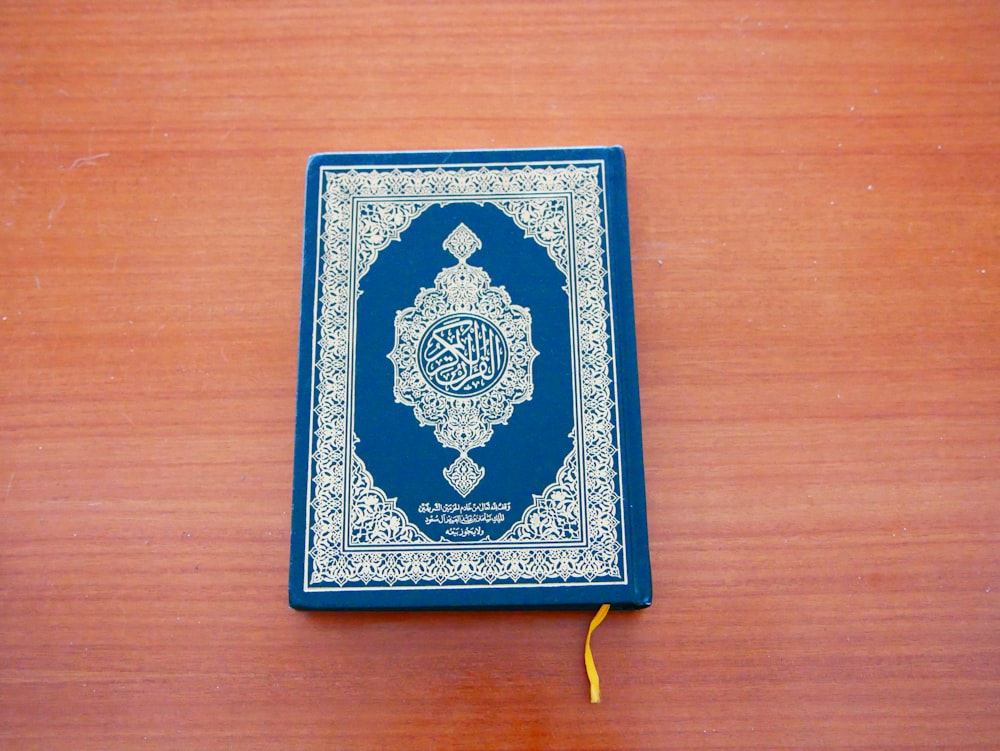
x: 468, y: 429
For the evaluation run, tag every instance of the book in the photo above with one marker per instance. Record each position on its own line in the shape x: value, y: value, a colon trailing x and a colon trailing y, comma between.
x: 468, y: 427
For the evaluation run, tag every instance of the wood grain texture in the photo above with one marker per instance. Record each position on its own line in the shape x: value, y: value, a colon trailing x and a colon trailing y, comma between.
x: 814, y: 211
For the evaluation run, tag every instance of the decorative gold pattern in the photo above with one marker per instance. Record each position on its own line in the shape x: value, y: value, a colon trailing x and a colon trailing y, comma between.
x: 572, y: 532
x: 462, y: 358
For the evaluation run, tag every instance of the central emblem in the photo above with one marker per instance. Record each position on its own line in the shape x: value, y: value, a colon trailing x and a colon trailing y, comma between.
x: 462, y: 355
x: 462, y: 358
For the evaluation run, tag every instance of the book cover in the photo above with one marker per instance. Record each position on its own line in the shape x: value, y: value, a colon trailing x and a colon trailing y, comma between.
x: 468, y: 429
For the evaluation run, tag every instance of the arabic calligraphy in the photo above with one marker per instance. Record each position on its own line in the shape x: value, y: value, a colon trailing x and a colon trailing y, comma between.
x: 464, y: 532
x: 468, y: 507
x: 464, y: 520
x: 497, y: 518
x: 462, y: 354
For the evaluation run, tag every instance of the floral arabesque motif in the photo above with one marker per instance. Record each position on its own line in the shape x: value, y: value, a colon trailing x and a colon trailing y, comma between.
x: 496, y: 337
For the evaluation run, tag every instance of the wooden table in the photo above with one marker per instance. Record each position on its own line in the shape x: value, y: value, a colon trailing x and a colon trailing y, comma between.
x: 814, y: 209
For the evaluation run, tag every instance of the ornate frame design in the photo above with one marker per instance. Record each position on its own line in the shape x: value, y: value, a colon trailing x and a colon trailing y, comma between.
x: 573, y: 532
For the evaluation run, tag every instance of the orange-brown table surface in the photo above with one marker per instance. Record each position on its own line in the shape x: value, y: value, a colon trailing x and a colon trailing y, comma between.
x: 813, y: 193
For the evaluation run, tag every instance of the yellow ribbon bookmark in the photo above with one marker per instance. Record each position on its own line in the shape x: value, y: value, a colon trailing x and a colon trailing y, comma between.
x: 588, y: 657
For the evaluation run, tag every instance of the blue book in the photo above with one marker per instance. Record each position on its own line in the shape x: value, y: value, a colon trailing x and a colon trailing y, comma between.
x: 468, y: 431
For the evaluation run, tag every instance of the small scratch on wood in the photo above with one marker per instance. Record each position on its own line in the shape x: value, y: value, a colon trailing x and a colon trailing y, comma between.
x: 54, y: 211
x: 114, y: 266
x: 10, y: 484
x: 91, y: 160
